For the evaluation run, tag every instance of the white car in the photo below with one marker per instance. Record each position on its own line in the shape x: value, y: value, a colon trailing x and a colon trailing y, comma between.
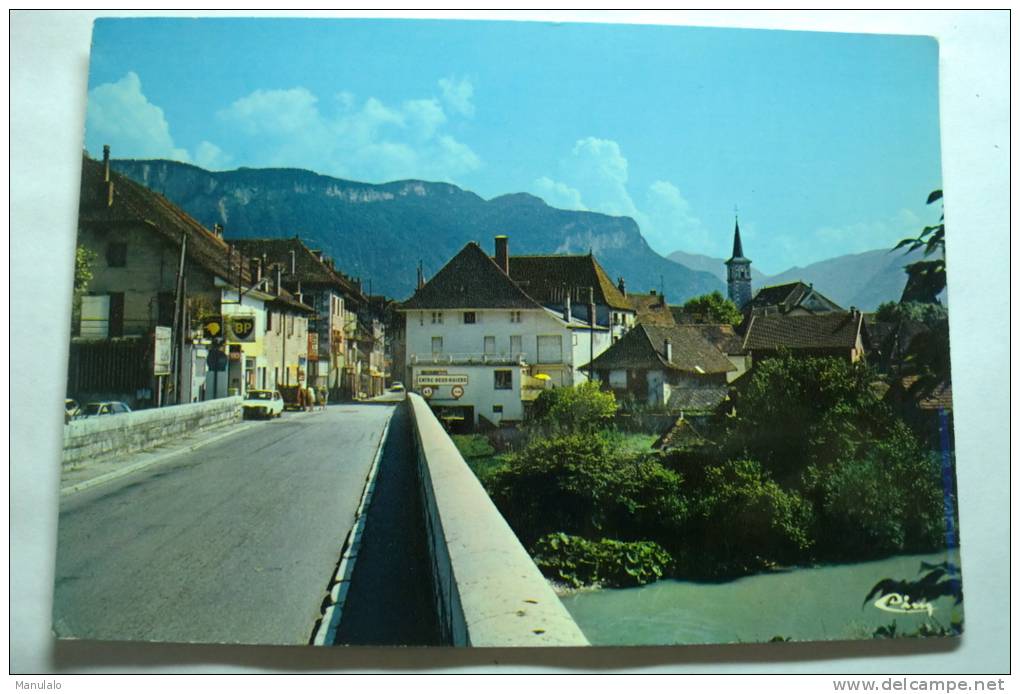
x: 263, y: 403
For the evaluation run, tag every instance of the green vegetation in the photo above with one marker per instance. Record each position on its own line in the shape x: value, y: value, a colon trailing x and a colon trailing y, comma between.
x: 577, y: 562
x: 84, y: 260
x: 811, y: 467
x: 713, y: 308
x: 926, y: 279
x: 927, y: 313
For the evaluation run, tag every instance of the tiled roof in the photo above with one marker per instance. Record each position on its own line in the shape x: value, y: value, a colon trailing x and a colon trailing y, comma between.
x: 821, y: 331
x: 644, y: 347
x: 696, y: 399
x: 723, y: 336
x: 544, y: 278
x: 133, y: 203
x: 651, y: 309
x: 470, y: 280
x: 309, y: 268
x: 783, y: 298
x: 941, y: 397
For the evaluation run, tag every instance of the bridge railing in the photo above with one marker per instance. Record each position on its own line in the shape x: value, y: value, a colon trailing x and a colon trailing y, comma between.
x: 487, y: 590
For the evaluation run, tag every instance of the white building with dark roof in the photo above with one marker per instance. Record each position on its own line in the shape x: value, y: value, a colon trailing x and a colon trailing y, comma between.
x: 479, y: 346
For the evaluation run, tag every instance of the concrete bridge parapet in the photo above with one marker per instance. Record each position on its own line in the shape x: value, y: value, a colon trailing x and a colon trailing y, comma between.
x: 104, y: 436
x: 487, y: 590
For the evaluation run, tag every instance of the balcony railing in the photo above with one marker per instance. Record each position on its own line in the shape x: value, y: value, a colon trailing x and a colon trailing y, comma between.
x: 481, y: 358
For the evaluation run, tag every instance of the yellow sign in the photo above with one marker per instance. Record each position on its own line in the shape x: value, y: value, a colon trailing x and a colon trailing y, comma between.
x: 241, y: 328
x: 442, y: 380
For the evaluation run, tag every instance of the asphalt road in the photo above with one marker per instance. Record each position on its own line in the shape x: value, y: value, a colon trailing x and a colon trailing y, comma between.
x: 232, y: 543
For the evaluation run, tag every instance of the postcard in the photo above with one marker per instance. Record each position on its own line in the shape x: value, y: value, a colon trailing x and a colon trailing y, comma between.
x: 483, y: 333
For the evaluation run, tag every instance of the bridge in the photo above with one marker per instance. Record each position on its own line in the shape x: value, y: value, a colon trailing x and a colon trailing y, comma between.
x: 357, y: 525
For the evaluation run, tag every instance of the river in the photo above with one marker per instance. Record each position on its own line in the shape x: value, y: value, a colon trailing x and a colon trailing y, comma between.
x: 802, y: 604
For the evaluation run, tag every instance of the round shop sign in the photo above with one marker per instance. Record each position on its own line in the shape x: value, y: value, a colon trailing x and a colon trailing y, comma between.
x: 457, y: 391
x: 426, y: 391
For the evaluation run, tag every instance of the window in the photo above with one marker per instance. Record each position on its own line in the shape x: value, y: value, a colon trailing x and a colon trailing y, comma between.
x: 165, y: 308
x: 437, y: 316
x: 504, y: 379
x: 515, y: 316
x: 550, y: 349
x: 469, y: 316
x: 489, y: 344
x: 515, y: 345
x: 437, y: 345
x: 116, y: 314
x: 497, y: 409
x: 116, y: 254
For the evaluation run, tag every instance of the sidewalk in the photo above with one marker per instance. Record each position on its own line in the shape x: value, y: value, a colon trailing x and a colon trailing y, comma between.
x: 90, y: 474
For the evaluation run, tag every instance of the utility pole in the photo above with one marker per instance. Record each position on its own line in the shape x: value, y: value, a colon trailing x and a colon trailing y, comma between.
x: 179, y: 298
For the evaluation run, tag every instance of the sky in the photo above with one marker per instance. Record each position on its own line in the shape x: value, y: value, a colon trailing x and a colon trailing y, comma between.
x: 823, y: 143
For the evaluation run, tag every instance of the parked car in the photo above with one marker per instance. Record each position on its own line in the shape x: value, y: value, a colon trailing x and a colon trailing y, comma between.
x: 397, y: 387
x: 71, y: 409
x: 263, y: 403
x: 94, y: 409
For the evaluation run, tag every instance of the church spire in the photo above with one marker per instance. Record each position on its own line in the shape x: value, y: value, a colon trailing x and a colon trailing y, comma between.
x: 738, y: 248
x: 738, y: 270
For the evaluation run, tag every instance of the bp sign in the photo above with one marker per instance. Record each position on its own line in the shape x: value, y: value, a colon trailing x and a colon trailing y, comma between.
x: 240, y: 328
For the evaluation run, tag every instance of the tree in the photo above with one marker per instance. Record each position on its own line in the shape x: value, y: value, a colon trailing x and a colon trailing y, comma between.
x: 713, y: 308
x: 929, y: 314
x: 84, y: 258
x: 927, y: 278
x: 583, y: 408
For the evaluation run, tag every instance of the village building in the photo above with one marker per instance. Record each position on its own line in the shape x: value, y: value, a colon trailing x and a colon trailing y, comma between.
x: 834, y: 334
x: 672, y: 367
x: 340, y: 325
x: 158, y: 278
x: 570, y: 284
x: 651, y: 308
x: 791, y: 299
x: 738, y: 272
x: 478, y: 346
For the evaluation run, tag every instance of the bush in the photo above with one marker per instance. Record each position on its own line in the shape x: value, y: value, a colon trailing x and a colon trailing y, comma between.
x: 584, y: 408
x: 580, y: 485
x: 473, y: 446
x: 578, y: 562
x: 745, y: 521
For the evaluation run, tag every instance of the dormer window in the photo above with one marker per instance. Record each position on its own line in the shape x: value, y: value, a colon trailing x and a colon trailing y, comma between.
x: 515, y: 316
x: 437, y: 316
x: 469, y: 317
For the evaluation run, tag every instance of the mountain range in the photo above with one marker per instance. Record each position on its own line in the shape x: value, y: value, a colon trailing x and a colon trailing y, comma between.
x: 380, y: 232
x: 863, y: 280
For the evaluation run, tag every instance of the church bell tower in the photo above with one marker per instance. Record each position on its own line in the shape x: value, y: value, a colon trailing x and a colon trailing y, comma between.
x: 738, y: 272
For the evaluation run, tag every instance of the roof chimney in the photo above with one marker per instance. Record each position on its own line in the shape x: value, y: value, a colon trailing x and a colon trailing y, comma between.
x: 566, y: 307
x: 293, y: 263
x: 217, y: 229
x: 621, y: 285
x: 669, y: 350
x: 591, y: 306
x: 278, y: 273
x: 421, y: 276
x: 106, y: 163
x: 503, y: 254
x: 255, y: 268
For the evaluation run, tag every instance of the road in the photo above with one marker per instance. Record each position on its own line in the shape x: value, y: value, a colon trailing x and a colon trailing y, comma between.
x: 234, y: 542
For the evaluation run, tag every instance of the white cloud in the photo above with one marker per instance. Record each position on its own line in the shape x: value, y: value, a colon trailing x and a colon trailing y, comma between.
x: 209, y: 156
x: 595, y: 176
x: 458, y: 94
x: 120, y: 115
x: 559, y: 194
x: 373, y: 141
x: 869, y: 235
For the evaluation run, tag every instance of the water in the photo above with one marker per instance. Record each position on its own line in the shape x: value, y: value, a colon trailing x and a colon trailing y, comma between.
x: 804, y: 604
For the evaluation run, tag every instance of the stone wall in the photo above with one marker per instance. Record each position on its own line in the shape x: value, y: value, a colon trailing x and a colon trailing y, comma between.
x: 109, y: 435
x: 487, y: 590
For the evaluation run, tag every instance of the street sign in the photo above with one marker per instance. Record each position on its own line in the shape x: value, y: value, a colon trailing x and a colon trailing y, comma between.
x: 163, y: 348
x: 442, y: 379
x: 426, y: 392
x: 213, y: 327
x: 235, y: 352
x: 457, y: 391
x: 241, y: 328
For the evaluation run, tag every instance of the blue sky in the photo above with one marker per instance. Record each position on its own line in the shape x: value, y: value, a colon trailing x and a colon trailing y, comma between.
x: 827, y: 143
